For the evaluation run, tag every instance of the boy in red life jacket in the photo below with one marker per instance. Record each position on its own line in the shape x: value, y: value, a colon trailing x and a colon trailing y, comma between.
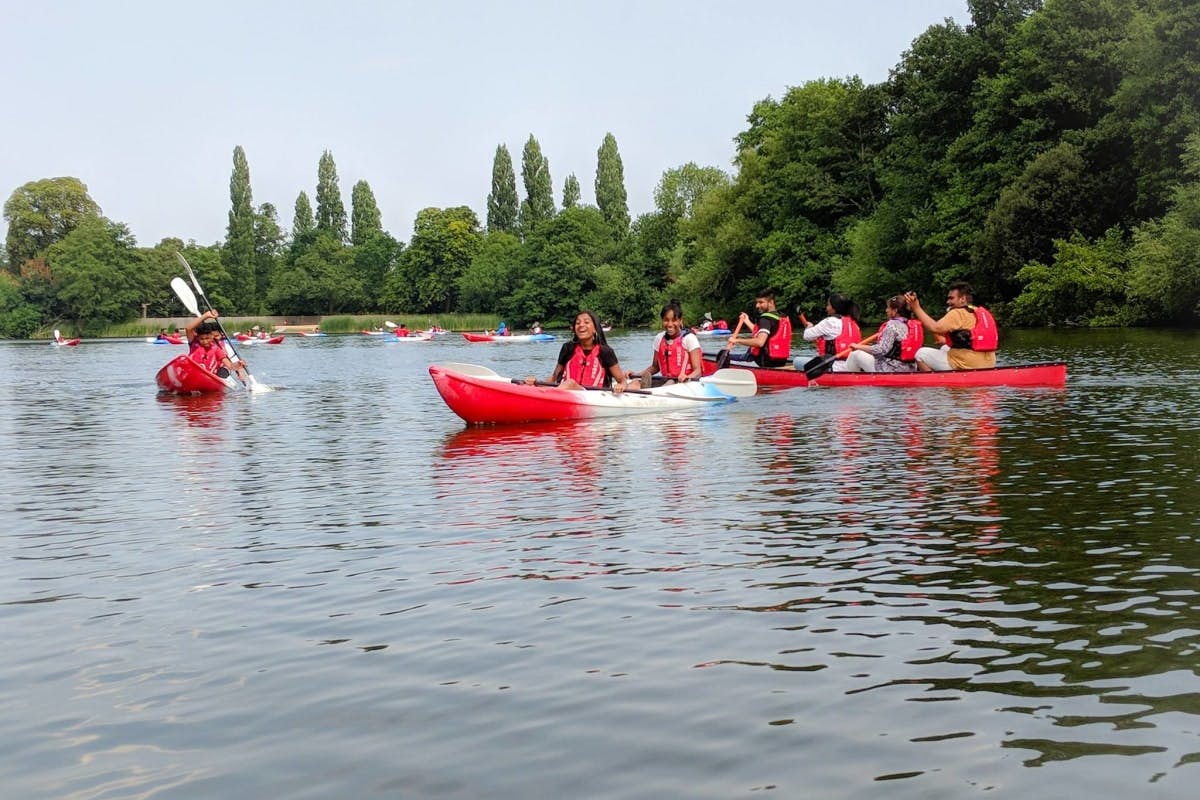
x: 770, y: 342
x: 206, y: 350
x: 895, y: 349
x: 836, y: 332
x: 586, y: 362
x: 677, y: 354
x: 969, y: 331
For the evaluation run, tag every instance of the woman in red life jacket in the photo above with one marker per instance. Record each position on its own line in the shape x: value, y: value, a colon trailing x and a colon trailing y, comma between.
x: 770, y: 342
x: 896, y: 344
x: 586, y: 361
x: 836, y: 332
x: 205, y: 348
x: 677, y: 354
x: 969, y: 332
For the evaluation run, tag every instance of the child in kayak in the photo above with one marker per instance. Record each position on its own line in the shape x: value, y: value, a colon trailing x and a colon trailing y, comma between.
x: 586, y: 361
x: 677, y: 354
x: 205, y: 348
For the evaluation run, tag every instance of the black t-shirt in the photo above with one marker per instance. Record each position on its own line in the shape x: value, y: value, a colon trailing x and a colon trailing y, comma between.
x: 608, y: 359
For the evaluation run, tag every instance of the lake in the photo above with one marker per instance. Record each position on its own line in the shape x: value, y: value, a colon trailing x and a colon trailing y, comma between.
x: 336, y: 590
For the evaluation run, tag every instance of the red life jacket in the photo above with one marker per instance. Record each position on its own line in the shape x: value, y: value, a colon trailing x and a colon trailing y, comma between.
x: 849, y: 335
x: 208, y: 357
x: 586, y: 369
x: 673, y: 359
x: 984, y: 337
x: 779, y: 345
x: 906, y: 349
x: 721, y: 325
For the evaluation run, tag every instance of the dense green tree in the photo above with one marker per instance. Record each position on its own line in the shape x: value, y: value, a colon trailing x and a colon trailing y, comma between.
x: 538, y: 205
x: 610, y: 186
x: 40, y: 213
x: 19, y: 318
x: 238, y: 253
x: 374, y: 259
x: 98, y: 274
x: 331, y: 211
x: 365, y: 219
x: 1084, y: 285
x: 268, y: 247
x: 320, y: 280
x: 493, y: 274
x: 563, y: 254
x: 571, y: 195
x: 443, y: 244
x: 503, y: 202
x: 303, y: 222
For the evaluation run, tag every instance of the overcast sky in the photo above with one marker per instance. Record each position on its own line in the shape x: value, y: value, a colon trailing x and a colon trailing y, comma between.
x: 145, y: 101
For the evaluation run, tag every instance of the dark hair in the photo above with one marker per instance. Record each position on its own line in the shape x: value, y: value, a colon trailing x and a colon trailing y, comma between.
x: 208, y: 326
x: 843, y: 306
x: 766, y: 294
x: 963, y: 288
x: 595, y: 324
x: 674, y: 307
x: 900, y: 305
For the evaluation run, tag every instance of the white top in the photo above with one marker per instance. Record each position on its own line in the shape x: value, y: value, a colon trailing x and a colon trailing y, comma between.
x: 828, y: 328
x: 690, y: 342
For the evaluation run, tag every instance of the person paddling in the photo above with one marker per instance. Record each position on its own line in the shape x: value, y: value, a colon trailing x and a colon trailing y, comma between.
x: 677, y: 354
x: 836, y: 332
x: 770, y: 342
x: 586, y: 362
x: 206, y: 350
x: 969, y: 333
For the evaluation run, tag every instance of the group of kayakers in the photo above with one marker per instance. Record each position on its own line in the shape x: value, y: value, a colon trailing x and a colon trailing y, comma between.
x: 966, y: 333
x: 967, y: 336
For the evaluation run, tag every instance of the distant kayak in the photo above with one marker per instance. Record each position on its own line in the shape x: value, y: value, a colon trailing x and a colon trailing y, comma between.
x: 518, y: 339
x: 713, y: 332
x: 169, y: 339
x: 312, y: 333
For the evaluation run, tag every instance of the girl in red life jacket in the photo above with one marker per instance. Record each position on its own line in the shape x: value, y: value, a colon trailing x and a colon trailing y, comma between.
x: 677, y: 354
x: 896, y: 345
x: 837, y: 331
x: 586, y: 362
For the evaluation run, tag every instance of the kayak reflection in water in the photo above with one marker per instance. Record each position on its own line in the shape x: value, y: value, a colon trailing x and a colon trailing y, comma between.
x: 586, y: 362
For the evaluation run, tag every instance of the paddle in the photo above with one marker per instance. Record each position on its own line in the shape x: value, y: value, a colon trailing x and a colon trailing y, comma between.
x: 390, y: 324
x: 819, y: 365
x: 738, y: 386
x: 723, y: 354
x: 57, y: 335
x: 188, y: 299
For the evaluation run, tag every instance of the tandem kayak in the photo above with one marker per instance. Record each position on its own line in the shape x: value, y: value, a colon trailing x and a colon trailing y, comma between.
x: 184, y: 375
x: 524, y: 337
x: 1052, y: 374
x: 483, y: 397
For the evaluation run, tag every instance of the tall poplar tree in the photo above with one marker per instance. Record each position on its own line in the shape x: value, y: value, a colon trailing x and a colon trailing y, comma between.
x: 571, y: 192
x: 303, y: 223
x: 331, y: 211
x: 238, y: 253
x: 502, y: 203
x: 538, y: 205
x: 610, y: 186
x: 365, y: 219
x: 268, y: 244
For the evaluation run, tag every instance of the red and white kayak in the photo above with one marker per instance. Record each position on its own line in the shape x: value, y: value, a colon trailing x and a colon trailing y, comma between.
x: 59, y: 341
x: 260, y: 339
x: 170, y: 338
x: 516, y: 339
x: 483, y: 397
x: 184, y: 375
x: 411, y: 337
x: 1052, y: 374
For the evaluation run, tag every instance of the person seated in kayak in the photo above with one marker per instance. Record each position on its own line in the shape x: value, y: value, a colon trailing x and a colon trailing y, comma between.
x: 836, y: 332
x: 770, y: 342
x: 536, y: 328
x: 677, y: 354
x: 163, y: 336
x: 503, y: 329
x: 403, y: 330
x: 968, y: 332
x: 586, y: 361
x: 205, y: 348
x: 707, y: 324
x: 896, y: 343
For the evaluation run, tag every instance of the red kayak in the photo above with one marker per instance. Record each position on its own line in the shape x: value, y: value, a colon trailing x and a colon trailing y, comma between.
x: 1048, y: 374
x: 510, y: 338
x: 183, y: 375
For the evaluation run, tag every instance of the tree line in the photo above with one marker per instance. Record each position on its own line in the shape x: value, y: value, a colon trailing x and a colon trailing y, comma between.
x: 1047, y: 152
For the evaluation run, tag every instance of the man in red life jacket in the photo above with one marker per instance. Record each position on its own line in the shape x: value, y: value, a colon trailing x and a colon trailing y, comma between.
x: 771, y: 341
x: 969, y: 333
x: 206, y: 351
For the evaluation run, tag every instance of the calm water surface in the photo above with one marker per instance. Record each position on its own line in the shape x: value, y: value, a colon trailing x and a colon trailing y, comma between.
x: 335, y: 590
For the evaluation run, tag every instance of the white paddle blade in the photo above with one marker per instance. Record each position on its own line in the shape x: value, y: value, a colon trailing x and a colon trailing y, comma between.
x: 185, y: 295
x: 191, y: 274
x: 57, y: 335
x: 390, y: 324
x: 735, y: 382
x: 470, y: 369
